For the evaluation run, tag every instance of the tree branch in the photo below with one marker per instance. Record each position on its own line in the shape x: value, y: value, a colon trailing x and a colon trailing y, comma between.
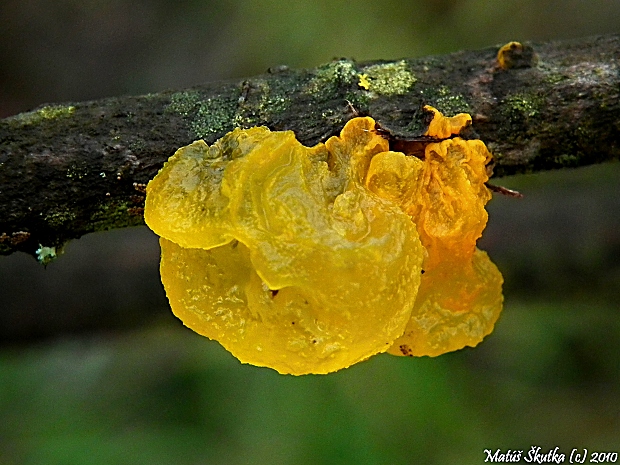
x: 66, y: 170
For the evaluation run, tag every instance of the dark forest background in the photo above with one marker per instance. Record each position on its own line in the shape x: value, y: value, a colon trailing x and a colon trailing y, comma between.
x: 94, y: 368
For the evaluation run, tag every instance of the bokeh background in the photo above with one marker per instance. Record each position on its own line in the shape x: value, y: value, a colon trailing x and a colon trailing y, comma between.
x: 94, y: 369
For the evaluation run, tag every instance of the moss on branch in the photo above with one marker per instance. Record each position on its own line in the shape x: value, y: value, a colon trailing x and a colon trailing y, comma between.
x: 66, y: 170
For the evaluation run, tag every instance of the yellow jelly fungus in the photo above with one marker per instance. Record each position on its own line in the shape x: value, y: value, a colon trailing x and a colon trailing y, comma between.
x: 311, y: 259
x: 458, y: 303
x: 460, y: 294
x: 442, y: 127
x: 280, y: 253
x: 505, y: 54
x: 364, y: 83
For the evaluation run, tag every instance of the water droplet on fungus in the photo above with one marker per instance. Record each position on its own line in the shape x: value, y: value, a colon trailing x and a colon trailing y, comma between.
x: 360, y: 244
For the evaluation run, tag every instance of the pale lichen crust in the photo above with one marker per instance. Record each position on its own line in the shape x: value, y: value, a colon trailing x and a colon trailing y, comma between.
x: 311, y: 259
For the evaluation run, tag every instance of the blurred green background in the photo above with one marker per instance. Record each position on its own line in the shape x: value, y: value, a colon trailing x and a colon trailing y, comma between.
x: 94, y: 369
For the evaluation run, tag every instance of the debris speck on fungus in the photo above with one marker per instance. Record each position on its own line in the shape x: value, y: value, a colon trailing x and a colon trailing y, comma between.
x: 311, y: 259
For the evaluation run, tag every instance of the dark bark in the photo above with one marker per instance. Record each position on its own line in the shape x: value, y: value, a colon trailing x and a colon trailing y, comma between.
x: 66, y: 170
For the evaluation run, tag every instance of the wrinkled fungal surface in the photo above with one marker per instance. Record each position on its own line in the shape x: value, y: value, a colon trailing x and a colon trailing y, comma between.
x: 311, y: 259
x: 458, y: 303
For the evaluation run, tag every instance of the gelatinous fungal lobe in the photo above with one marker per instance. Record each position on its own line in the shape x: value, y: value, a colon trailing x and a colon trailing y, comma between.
x: 516, y: 55
x: 285, y: 258
x: 445, y: 193
x: 450, y: 212
x: 458, y: 304
x: 442, y: 127
x: 460, y: 293
x: 310, y: 259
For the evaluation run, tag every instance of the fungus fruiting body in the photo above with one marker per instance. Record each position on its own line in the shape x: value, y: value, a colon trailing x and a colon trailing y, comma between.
x: 516, y: 55
x: 311, y: 259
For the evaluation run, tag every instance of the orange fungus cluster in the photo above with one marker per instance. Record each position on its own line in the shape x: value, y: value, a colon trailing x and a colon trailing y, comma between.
x: 311, y: 259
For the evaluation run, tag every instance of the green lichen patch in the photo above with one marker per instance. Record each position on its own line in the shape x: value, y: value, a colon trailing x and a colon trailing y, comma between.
x: 388, y: 78
x: 274, y: 99
x: 329, y: 78
x: 447, y: 101
x: 183, y: 103
x: 214, y: 116
x: 51, y: 112
x: 521, y: 106
x: 59, y: 218
x: 45, y: 113
x: 555, y: 78
x: 206, y: 117
x: 268, y: 98
x: 136, y: 145
x: 115, y: 214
